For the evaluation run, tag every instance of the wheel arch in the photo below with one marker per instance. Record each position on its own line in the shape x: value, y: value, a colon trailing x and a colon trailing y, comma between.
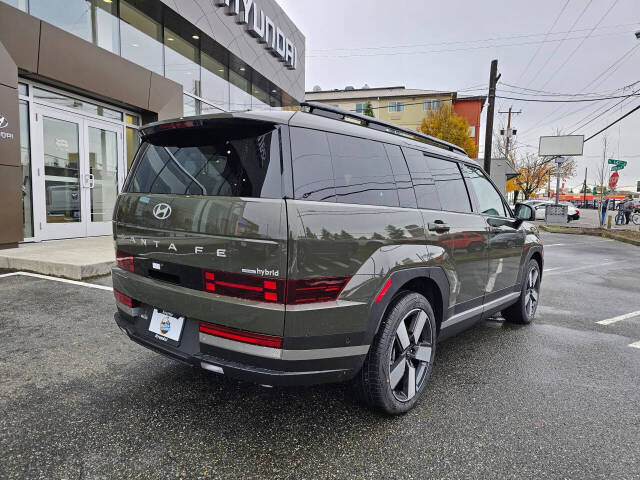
x: 431, y: 282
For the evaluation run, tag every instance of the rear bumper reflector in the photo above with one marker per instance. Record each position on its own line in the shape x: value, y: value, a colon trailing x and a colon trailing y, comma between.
x: 212, y: 368
x: 260, y: 339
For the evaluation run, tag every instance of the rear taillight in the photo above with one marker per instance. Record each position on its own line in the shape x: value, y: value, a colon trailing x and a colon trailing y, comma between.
x: 244, y: 286
x: 315, y: 289
x: 263, y: 340
x: 125, y: 261
x: 273, y: 290
x: 124, y: 299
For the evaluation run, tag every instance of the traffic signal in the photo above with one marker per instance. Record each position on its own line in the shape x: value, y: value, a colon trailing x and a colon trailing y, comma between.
x: 638, y: 187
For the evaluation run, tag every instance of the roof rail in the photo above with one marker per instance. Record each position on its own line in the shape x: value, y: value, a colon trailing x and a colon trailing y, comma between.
x: 370, y: 122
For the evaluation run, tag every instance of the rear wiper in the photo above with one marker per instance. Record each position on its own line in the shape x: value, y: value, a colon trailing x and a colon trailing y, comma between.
x: 175, y: 160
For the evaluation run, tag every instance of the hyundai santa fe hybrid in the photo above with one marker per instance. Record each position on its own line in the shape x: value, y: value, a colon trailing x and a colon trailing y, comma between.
x: 290, y: 248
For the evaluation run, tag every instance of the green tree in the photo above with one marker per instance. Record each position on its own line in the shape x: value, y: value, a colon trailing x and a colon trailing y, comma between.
x: 368, y: 110
x: 445, y: 124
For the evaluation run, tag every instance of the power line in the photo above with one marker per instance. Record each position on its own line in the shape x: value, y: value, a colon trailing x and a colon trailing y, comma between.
x: 555, y: 72
x: 576, y: 100
x: 613, y: 123
x: 598, y: 115
x: 615, y: 66
x: 461, y: 42
x: 545, y: 37
x: 465, y: 49
x: 560, y: 44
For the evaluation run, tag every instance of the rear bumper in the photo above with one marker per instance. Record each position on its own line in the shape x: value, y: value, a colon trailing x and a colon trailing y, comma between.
x: 285, y: 367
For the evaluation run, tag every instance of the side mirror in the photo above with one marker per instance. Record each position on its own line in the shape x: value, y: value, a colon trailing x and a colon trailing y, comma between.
x: 525, y: 212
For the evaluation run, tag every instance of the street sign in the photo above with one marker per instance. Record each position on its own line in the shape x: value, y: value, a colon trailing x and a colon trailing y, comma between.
x: 613, y: 180
x: 615, y: 168
x: 618, y: 163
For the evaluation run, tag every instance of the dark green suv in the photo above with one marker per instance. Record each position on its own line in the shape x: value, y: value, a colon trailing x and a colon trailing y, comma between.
x: 314, y: 246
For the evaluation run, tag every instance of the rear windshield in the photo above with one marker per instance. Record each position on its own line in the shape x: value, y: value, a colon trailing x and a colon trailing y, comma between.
x: 221, y: 162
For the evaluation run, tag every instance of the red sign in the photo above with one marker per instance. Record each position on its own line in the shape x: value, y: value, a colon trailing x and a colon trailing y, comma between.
x: 613, y: 180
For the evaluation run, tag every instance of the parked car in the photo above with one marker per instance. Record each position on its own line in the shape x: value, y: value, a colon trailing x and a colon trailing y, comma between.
x: 344, y: 268
x: 541, y: 208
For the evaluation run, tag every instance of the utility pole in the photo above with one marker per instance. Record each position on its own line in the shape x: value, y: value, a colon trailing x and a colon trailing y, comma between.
x: 585, y: 189
x: 488, y: 139
x: 509, y: 133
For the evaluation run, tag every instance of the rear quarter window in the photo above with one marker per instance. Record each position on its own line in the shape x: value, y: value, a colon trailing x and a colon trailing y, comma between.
x: 224, y: 162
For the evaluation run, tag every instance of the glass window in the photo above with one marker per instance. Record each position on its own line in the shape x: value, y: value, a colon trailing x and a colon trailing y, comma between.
x: 133, y: 142
x: 452, y: 191
x: 472, y: 131
x: 260, y: 100
x: 236, y: 163
x: 430, y: 105
x: 362, y: 171
x: 423, y: 182
x: 141, y: 34
x: 191, y: 106
x: 401, y: 176
x: 103, y: 166
x: 361, y: 107
x: 208, y: 109
x: 95, y: 21
x: 396, y: 107
x: 181, y: 62
x: 25, y: 158
x: 240, y: 98
x: 21, y: 4
x: 489, y: 199
x: 214, y: 84
x: 312, y: 169
x: 23, y: 89
x: 132, y: 119
x: 68, y: 102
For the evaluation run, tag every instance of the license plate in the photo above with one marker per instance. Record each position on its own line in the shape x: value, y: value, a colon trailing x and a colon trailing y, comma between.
x: 166, y: 326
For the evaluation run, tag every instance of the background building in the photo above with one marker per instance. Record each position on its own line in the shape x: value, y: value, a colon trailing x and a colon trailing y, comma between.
x: 403, y: 106
x: 78, y: 78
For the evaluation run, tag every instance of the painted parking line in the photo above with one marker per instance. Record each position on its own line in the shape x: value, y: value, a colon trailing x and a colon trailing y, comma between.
x: 587, y: 267
x: 56, y: 279
x: 619, y: 318
x: 634, y: 344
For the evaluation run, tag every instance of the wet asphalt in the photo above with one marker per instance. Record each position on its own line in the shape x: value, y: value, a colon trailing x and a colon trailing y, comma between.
x: 557, y: 399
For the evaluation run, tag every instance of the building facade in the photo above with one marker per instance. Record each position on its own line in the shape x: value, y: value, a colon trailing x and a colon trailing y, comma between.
x: 79, y: 77
x: 403, y: 106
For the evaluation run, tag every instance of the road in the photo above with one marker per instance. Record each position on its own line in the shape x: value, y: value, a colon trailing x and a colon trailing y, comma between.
x: 556, y: 399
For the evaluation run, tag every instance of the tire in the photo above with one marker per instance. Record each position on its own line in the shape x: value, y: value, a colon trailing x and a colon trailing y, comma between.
x: 524, y: 310
x: 397, y: 367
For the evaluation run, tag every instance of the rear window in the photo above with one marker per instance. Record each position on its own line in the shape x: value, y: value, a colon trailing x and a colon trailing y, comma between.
x: 221, y: 162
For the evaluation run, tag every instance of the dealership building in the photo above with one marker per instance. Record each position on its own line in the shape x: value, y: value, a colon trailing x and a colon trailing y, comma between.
x: 79, y: 77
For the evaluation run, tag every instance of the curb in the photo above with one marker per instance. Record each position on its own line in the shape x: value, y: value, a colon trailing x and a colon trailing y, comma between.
x: 580, y: 231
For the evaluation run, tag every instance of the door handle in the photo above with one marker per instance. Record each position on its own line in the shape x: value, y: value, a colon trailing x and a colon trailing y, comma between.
x: 439, y: 226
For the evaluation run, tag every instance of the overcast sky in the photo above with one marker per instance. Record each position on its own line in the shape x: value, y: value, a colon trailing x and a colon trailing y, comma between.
x: 449, y: 45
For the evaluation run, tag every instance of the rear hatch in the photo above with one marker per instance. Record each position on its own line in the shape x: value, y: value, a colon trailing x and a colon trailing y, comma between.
x: 203, y: 216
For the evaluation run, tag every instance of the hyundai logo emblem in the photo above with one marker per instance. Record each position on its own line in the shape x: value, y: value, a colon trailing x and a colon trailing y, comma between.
x: 3, y: 122
x: 162, y: 211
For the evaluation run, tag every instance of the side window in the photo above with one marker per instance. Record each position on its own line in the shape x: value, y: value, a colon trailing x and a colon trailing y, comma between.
x: 452, y: 191
x: 489, y: 199
x: 423, y: 182
x: 362, y: 171
x: 312, y: 169
x: 401, y: 176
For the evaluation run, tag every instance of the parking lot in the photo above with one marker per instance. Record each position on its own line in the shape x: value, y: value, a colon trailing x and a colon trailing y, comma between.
x: 557, y: 399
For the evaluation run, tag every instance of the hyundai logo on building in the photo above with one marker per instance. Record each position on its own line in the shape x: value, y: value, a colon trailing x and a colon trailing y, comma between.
x: 263, y: 29
x: 162, y: 211
x: 4, y: 123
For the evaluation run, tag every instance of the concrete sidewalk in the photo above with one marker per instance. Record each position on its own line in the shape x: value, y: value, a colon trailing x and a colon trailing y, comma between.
x: 76, y: 258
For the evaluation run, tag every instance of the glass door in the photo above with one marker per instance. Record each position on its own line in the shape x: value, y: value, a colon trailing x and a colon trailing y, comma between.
x: 57, y: 167
x: 102, y: 175
x: 77, y: 165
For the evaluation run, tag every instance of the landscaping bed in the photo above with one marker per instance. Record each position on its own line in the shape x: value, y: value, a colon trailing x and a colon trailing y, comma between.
x: 627, y: 236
